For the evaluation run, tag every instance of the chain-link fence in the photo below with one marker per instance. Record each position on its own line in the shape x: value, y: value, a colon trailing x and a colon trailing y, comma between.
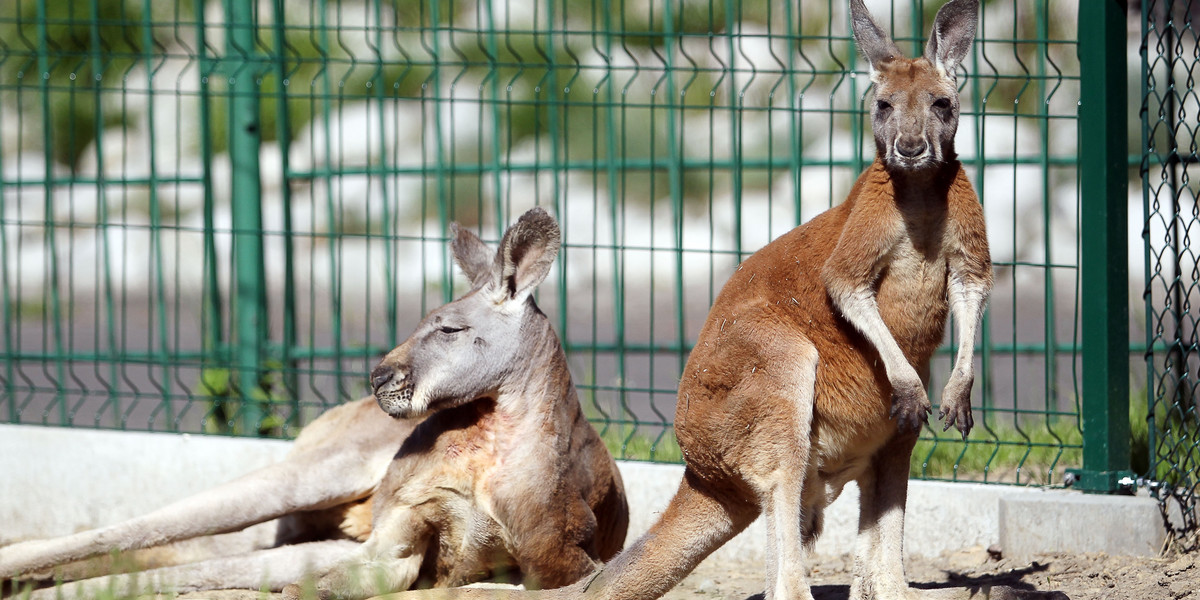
x: 217, y: 215
x: 1170, y: 114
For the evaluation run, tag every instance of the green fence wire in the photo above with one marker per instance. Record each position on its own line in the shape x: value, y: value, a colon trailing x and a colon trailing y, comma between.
x: 218, y: 215
x: 1170, y: 109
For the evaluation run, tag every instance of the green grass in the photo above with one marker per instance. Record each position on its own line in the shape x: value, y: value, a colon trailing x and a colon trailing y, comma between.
x: 628, y: 442
x: 1175, y: 457
x: 1029, y: 452
x: 1034, y: 453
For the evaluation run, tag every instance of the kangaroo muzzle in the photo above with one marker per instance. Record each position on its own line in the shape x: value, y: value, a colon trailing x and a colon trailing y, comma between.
x: 393, y: 391
x: 911, y: 147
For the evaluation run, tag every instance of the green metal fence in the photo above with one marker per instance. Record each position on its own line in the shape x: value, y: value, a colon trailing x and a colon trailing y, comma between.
x: 217, y: 215
x: 1170, y: 109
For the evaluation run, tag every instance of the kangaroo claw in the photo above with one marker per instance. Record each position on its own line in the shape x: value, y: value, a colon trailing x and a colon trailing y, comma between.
x: 910, y: 407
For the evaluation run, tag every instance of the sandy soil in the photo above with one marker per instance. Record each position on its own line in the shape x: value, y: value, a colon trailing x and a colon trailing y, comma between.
x: 1079, y: 577
x: 979, y: 574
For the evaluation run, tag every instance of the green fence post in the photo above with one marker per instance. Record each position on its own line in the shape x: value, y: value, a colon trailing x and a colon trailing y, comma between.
x: 245, y: 136
x: 1104, y: 303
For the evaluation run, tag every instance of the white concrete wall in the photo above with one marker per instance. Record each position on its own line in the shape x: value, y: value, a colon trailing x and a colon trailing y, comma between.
x: 941, y: 516
x: 57, y: 481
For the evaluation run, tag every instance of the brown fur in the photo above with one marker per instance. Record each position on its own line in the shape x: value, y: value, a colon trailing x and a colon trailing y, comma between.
x: 810, y: 370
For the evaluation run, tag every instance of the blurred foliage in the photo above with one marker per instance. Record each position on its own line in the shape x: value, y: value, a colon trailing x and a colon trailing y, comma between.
x: 70, y: 53
x: 89, y: 48
x: 224, y: 407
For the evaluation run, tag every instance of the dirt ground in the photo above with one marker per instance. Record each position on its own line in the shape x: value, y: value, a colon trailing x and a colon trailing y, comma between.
x: 976, y: 572
x: 1078, y: 577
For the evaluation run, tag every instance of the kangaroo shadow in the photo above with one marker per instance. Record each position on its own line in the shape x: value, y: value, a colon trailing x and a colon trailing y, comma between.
x: 1009, y: 585
x: 819, y: 592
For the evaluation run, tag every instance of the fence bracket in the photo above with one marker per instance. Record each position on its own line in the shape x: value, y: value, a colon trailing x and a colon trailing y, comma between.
x: 1102, y: 481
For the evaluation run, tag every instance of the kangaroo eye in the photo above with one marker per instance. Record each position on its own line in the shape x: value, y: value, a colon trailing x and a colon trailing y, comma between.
x: 941, y: 103
x: 448, y: 330
x: 882, y: 106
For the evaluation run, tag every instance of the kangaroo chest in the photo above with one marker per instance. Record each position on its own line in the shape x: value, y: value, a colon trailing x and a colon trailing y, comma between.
x: 911, y: 290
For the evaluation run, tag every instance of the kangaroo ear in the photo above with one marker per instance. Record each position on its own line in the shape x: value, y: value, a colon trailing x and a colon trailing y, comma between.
x: 526, y: 252
x: 874, y: 43
x: 473, y: 257
x: 953, y: 32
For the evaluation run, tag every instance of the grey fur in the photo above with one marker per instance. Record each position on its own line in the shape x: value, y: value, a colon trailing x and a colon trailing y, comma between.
x: 535, y: 488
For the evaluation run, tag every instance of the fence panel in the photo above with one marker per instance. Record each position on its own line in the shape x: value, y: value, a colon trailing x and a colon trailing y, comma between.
x: 217, y: 215
x: 1171, y: 418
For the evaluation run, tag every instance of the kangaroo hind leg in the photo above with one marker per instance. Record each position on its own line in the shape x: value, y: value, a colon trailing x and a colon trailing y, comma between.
x: 779, y: 459
x: 263, y: 569
x: 297, y: 483
x: 697, y: 521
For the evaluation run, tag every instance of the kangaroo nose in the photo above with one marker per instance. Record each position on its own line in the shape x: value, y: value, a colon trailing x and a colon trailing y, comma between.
x: 911, y: 148
x: 380, y: 376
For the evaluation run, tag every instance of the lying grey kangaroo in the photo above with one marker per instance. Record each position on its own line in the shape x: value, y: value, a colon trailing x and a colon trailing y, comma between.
x: 480, y: 461
x: 810, y: 371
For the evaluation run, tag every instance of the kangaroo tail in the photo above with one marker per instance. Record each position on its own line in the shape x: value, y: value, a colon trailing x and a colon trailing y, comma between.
x: 694, y: 524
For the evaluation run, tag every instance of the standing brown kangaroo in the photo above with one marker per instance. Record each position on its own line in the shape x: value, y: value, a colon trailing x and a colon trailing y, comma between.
x: 810, y: 371
x: 472, y: 457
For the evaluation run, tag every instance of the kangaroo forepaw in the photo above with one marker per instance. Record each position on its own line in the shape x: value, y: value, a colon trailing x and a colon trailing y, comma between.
x: 956, y: 404
x: 958, y: 415
x: 910, y: 407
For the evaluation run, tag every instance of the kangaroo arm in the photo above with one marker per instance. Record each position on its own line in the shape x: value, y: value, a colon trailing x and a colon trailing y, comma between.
x: 968, y: 287
x: 967, y: 301
x: 849, y: 275
x: 859, y: 308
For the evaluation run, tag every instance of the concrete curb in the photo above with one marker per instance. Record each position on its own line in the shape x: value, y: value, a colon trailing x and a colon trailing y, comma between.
x: 56, y: 481
x: 1054, y: 521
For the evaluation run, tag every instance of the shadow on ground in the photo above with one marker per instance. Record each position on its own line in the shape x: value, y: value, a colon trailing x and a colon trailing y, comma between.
x: 1010, y: 585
